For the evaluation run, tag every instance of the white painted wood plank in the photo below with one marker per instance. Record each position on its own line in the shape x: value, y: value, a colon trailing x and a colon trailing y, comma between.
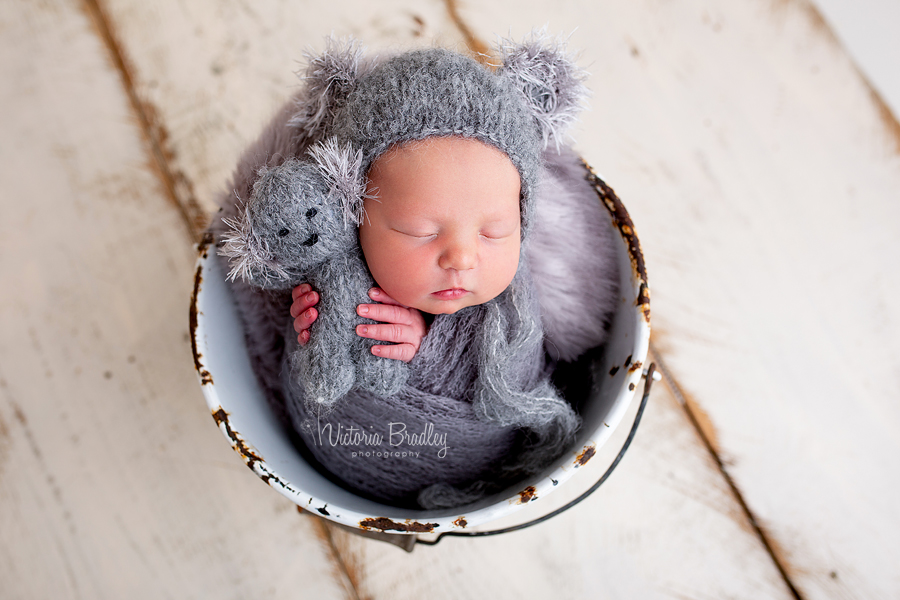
x: 764, y: 181
x: 114, y: 482
x: 722, y: 553
x: 868, y: 30
x: 665, y: 525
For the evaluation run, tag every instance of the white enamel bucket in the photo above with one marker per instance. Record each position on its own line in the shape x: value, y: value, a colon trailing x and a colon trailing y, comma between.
x: 242, y: 413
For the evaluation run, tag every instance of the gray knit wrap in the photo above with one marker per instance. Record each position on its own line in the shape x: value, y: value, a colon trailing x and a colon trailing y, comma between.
x: 480, y: 375
x: 436, y: 92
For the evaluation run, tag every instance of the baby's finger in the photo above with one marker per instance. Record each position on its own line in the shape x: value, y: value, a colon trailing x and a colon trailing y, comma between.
x: 303, y: 288
x: 386, y: 313
x: 404, y: 352
x: 387, y: 332
x: 303, y: 338
x: 305, y: 319
x: 301, y: 303
x: 377, y: 294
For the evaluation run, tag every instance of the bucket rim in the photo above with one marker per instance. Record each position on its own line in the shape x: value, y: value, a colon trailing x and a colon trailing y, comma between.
x: 423, y: 521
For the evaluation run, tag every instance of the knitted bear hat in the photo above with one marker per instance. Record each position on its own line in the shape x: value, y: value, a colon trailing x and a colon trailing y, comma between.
x: 366, y: 107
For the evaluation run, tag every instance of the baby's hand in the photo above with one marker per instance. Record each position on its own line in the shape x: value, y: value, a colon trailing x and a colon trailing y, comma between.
x: 302, y: 310
x: 399, y: 324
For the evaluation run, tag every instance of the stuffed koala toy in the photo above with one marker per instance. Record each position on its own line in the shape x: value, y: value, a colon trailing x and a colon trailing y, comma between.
x: 300, y: 223
x: 300, y: 226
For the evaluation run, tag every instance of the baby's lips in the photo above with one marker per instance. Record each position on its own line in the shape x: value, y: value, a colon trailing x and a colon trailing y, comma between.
x: 451, y: 293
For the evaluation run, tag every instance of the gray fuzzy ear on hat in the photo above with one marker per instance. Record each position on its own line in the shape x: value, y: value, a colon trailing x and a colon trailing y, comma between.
x: 329, y: 78
x: 549, y: 79
x: 341, y: 166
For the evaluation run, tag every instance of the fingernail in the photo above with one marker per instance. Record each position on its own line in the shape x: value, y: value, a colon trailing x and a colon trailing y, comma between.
x: 310, y: 297
x: 376, y: 349
x: 374, y: 292
x: 363, y: 310
x: 364, y: 330
x: 309, y: 313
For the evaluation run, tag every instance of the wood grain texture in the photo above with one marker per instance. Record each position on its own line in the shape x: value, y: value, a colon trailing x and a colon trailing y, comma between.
x: 763, y: 178
x: 114, y: 482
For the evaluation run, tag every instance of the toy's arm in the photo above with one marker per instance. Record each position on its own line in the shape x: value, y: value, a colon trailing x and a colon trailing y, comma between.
x: 336, y: 358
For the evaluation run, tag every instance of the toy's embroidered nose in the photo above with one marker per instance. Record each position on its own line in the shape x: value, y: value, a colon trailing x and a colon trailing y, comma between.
x: 283, y: 232
x: 311, y: 240
x: 311, y: 213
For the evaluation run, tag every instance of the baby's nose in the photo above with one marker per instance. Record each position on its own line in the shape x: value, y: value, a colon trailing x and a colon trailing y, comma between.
x: 459, y: 256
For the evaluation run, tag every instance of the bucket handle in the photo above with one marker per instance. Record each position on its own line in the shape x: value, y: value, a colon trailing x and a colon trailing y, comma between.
x: 648, y: 382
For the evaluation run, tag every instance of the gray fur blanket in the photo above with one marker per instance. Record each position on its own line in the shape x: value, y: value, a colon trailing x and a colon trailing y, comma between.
x: 426, y: 447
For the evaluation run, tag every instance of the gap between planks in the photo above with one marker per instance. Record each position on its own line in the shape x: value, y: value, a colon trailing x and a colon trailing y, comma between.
x: 708, y: 444
x: 192, y: 214
x: 327, y: 533
x: 177, y: 185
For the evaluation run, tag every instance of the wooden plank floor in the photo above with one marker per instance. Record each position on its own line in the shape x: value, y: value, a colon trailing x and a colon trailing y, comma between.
x: 762, y: 175
x: 113, y: 484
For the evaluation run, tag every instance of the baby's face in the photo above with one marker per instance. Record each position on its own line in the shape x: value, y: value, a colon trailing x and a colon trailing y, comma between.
x: 443, y: 232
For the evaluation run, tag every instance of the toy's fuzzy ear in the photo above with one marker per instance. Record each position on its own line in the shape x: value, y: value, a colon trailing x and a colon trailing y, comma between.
x: 248, y: 254
x: 549, y: 79
x: 342, y: 168
x: 329, y: 78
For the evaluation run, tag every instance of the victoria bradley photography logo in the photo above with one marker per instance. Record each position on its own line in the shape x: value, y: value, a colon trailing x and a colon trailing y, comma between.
x: 395, y: 441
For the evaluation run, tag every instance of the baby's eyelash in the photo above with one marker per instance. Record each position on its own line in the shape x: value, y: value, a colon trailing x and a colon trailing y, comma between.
x: 414, y: 235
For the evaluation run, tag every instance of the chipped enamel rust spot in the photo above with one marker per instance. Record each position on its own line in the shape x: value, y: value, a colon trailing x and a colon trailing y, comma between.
x: 623, y: 222
x: 203, y: 249
x: 613, y: 371
x: 205, y: 242
x: 247, y: 452
x: 586, y: 455
x: 385, y: 524
x: 527, y: 495
x: 637, y: 365
x: 460, y: 522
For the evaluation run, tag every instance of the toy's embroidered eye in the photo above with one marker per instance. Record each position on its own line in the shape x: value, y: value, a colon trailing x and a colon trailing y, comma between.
x: 283, y: 231
x: 311, y: 213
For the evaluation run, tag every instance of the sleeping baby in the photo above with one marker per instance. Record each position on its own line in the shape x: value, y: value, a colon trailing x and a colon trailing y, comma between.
x: 396, y: 226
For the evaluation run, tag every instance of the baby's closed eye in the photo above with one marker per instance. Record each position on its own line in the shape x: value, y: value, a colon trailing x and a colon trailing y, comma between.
x: 494, y: 235
x: 499, y: 232
x: 413, y: 233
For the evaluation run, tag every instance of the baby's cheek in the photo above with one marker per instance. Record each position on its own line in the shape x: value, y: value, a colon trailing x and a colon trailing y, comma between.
x: 398, y: 271
x: 500, y: 273
x: 510, y: 261
x: 411, y: 276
